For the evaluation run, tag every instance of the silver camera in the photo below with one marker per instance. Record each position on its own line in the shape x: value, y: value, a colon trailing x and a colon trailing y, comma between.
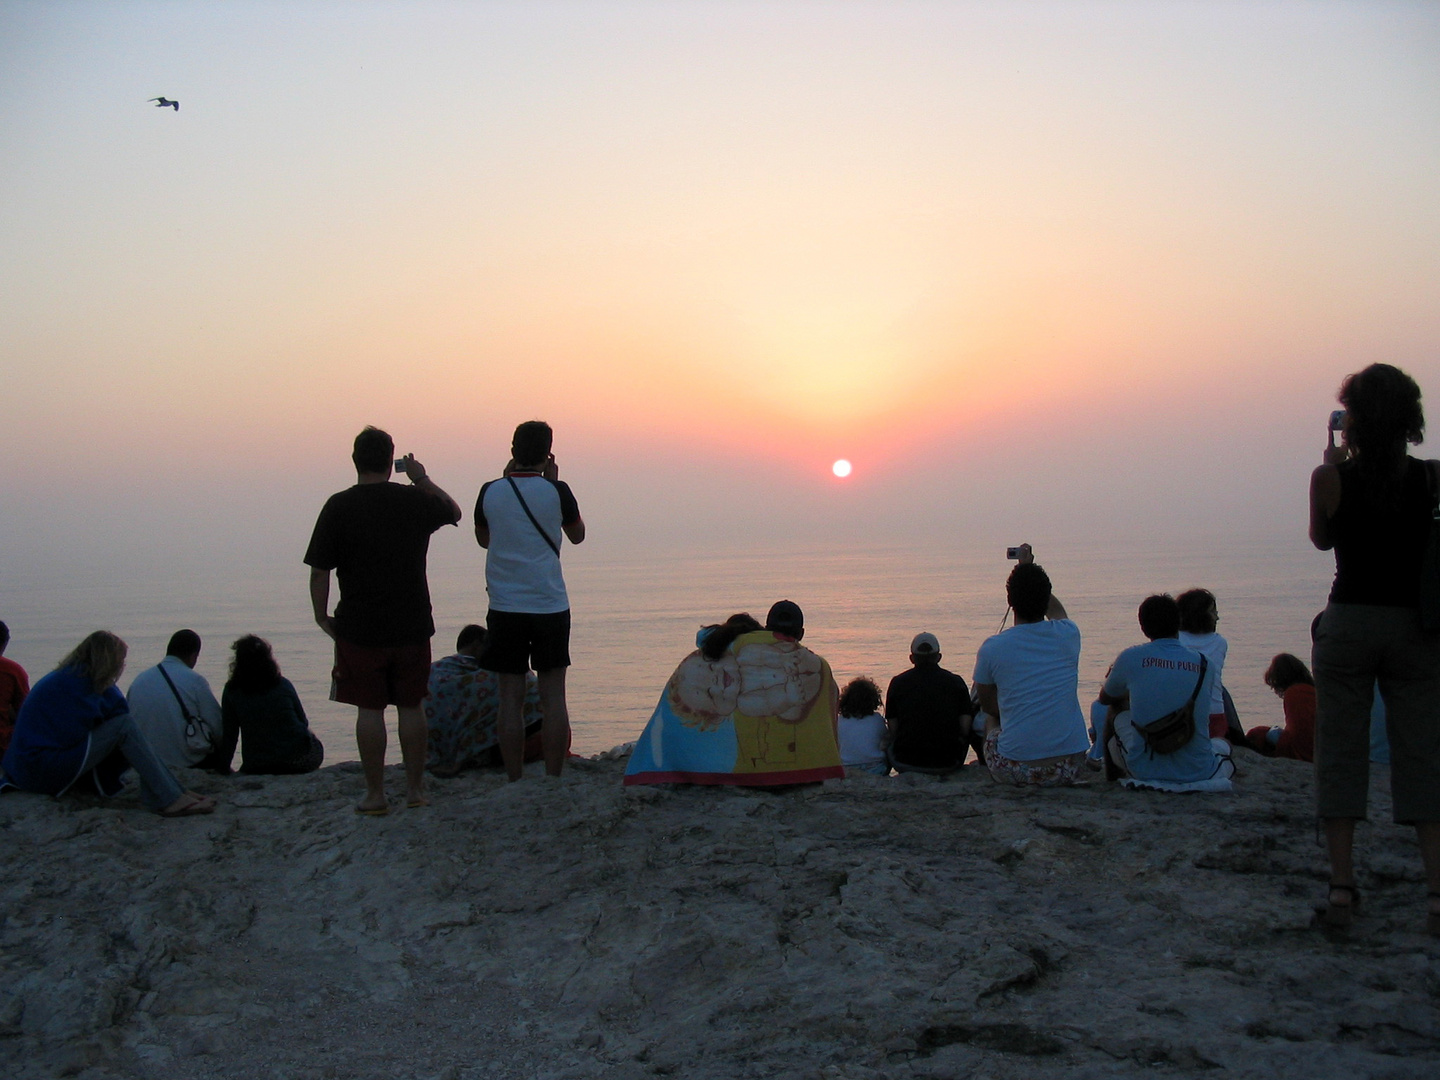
x: 1012, y: 553
x: 1337, y: 420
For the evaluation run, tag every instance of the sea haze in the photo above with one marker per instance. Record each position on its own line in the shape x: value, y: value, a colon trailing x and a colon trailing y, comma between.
x: 636, y: 617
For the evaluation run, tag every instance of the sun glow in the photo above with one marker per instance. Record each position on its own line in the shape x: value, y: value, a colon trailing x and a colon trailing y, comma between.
x: 841, y: 468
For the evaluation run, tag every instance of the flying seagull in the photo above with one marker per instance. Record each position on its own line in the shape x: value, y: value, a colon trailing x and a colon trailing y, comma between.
x: 166, y: 103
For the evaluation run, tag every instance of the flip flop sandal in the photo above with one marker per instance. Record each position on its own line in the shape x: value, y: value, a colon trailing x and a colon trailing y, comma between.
x: 193, y: 808
x: 1337, y: 916
x: 373, y: 811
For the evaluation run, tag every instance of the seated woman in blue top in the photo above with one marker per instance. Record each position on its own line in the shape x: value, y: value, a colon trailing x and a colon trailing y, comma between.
x: 75, y: 729
x: 261, y: 705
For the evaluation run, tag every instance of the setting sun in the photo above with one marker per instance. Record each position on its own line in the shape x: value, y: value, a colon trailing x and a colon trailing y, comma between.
x: 841, y: 468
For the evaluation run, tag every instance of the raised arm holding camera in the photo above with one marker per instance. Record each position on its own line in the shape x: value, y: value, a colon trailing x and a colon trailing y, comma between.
x: 1027, y: 685
x: 375, y: 536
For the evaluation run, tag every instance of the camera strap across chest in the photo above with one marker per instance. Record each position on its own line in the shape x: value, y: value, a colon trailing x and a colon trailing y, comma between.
x: 193, y: 724
x: 526, y: 507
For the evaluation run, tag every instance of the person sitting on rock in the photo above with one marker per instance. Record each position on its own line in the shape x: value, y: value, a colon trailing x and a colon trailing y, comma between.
x: 1027, y: 684
x: 787, y: 709
x: 462, y: 710
x: 929, y: 713
x: 1291, y: 680
x: 14, y: 685
x: 260, y: 707
x: 175, y: 709
x: 1146, y: 686
x: 862, y: 729
x: 1199, y: 616
x: 74, y: 732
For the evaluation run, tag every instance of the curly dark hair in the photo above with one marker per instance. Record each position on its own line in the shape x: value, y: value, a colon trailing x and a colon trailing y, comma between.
x: 253, y: 670
x: 861, y: 697
x: 1382, y: 414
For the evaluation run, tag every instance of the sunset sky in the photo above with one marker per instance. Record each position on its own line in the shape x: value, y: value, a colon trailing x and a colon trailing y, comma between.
x: 1031, y: 267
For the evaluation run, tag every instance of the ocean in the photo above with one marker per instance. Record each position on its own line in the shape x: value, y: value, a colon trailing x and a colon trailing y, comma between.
x: 635, y: 616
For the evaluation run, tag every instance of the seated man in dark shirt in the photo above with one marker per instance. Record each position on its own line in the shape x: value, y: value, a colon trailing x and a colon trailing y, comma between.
x: 928, y: 712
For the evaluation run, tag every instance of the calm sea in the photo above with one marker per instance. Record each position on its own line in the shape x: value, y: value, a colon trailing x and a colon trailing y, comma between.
x: 635, y: 617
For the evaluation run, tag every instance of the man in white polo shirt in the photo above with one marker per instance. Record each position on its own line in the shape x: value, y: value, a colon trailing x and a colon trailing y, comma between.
x: 521, y: 520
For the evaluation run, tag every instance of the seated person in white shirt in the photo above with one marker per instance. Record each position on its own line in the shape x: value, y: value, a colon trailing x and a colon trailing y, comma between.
x: 1027, y: 685
x: 862, y: 729
x: 1199, y: 616
x: 174, y: 709
x: 1149, y: 682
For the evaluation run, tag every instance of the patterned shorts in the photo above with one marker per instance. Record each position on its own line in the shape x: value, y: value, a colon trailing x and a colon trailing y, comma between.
x: 1051, y: 773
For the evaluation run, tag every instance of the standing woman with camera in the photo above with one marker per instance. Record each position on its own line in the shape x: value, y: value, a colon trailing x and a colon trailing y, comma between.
x: 1371, y: 502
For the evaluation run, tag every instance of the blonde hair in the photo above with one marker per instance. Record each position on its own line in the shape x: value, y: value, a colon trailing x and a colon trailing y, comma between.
x: 100, y: 658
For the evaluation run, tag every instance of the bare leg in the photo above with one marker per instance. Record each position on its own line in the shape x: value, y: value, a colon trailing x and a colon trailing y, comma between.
x: 414, y: 745
x: 555, y: 725
x: 1340, y: 840
x: 510, y: 725
x: 370, y: 738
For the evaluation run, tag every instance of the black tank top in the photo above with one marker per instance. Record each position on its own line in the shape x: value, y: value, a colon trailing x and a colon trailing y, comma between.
x: 1379, y: 546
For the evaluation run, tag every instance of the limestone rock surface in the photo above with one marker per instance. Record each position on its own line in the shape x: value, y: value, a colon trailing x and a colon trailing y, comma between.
x: 863, y: 928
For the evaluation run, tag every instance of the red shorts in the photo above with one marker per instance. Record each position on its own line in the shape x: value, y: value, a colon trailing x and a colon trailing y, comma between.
x: 372, y: 677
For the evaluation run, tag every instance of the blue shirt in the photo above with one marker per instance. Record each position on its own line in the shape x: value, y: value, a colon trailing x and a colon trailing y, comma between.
x: 1035, y: 669
x: 1159, y: 677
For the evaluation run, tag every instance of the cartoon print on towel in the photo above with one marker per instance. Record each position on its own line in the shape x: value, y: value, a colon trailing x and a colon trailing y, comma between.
x: 762, y: 713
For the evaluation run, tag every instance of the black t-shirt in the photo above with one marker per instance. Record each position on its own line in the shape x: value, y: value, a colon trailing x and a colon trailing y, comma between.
x: 1380, y: 543
x: 924, y: 706
x: 376, y: 536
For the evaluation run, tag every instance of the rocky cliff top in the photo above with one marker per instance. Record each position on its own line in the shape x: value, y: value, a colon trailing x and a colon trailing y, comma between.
x: 576, y: 928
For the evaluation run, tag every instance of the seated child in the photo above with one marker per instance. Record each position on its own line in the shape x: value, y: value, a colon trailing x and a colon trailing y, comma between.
x: 862, y: 728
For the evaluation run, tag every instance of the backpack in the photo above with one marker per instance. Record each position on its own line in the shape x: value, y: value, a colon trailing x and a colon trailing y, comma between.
x: 1174, y: 730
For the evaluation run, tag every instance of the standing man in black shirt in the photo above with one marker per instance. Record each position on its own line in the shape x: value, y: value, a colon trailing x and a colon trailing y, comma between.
x: 376, y: 535
x: 929, y: 713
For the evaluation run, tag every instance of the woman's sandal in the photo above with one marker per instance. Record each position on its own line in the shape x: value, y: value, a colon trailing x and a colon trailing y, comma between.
x: 1338, y: 916
x: 195, y: 805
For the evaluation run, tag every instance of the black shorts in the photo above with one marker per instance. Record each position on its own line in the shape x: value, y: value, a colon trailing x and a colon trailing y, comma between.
x: 516, y: 641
